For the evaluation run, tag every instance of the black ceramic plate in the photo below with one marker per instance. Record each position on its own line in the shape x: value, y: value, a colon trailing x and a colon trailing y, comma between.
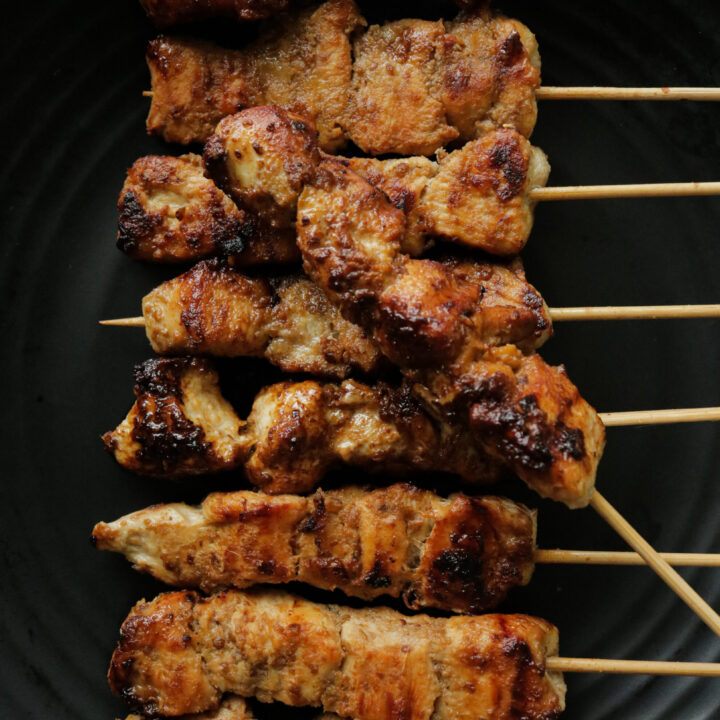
x: 72, y: 122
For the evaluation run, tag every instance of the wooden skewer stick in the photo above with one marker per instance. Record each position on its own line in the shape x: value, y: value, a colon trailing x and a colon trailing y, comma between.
x: 569, y: 314
x: 608, y: 557
x: 660, y: 417
x: 633, y: 667
x: 633, y: 538
x: 597, y: 192
x: 550, y: 92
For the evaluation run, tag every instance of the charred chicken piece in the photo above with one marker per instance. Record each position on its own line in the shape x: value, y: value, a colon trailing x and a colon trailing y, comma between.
x: 462, y: 554
x: 478, y: 196
x: 179, y: 652
x: 303, y: 63
x: 431, y: 322
x: 453, y: 80
x: 173, y: 12
x: 170, y: 212
x: 231, y: 707
x: 180, y: 425
x: 214, y: 309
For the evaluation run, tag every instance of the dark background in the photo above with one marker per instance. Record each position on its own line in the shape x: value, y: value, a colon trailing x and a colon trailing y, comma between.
x: 72, y: 122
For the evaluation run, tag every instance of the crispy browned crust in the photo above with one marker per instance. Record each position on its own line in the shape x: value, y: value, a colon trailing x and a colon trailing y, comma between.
x: 170, y: 212
x: 231, y: 707
x: 302, y: 63
x: 177, y: 651
x: 181, y: 425
x: 164, y: 13
x: 214, y: 309
x: 433, y: 321
x: 453, y: 80
x: 462, y: 554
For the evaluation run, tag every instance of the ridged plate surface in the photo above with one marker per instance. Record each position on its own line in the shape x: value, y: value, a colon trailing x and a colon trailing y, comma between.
x: 72, y: 121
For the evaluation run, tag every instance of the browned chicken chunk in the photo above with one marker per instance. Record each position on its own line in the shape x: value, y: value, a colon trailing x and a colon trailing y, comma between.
x: 429, y: 320
x: 181, y: 425
x: 179, y: 652
x: 302, y: 63
x: 170, y: 212
x: 462, y: 554
x: 231, y: 707
x: 453, y: 80
x: 214, y: 309
x: 172, y: 12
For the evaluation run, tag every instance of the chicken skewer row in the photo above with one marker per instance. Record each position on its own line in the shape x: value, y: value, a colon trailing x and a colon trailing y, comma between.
x: 425, y: 320
x: 180, y: 653
x: 455, y: 80
x: 461, y: 554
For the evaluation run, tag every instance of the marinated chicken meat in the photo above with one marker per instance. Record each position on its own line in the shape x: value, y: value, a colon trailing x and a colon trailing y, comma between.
x: 214, y: 309
x: 462, y: 554
x: 170, y: 212
x: 181, y: 425
x: 179, y: 653
x: 431, y: 319
x: 453, y: 80
x: 231, y: 707
x: 478, y: 196
x: 302, y: 63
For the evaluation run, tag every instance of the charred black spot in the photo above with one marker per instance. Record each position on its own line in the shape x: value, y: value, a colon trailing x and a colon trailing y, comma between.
x: 511, y: 50
x: 214, y: 159
x: 508, y: 155
x: 134, y: 224
x: 318, y: 518
x: 376, y: 577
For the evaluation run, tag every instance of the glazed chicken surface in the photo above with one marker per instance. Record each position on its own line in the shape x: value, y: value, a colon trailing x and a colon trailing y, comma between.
x: 231, y: 707
x: 179, y: 653
x: 478, y: 196
x: 453, y: 80
x: 303, y: 62
x: 172, y: 12
x: 459, y: 554
x: 180, y: 425
x: 170, y: 212
x: 214, y: 309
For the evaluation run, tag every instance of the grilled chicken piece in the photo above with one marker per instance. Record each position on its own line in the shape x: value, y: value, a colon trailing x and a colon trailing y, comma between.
x: 462, y: 554
x: 179, y: 652
x: 453, y: 80
x: 478, y: 196
x: 432, y: 322
x: 302, y: 63
x: 181, y: 425
x: 231, y: 707
x: 170, y: 212
x: 172, y: 12
x: 215, y: 310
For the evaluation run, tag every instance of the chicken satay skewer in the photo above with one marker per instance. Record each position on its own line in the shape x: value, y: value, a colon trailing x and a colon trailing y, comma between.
x: 566, y: 314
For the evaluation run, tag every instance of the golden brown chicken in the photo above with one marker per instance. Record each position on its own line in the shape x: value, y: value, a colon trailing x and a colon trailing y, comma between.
x: 453, y: 80
x: 217, y: 310
x: 181, y: 425
x: 462, y: 554
x: 179, y: 652
x: 172, y: 12
x: 478, y: 196
x: 231, y: 707
x: 170, y: 212
x: 302, y: 63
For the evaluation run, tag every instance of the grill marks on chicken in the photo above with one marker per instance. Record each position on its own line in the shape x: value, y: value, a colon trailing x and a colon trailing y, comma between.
x: 302, y: 63
x: 179, y: 652
x: 180, y: 425
x: 478, y: 196
x: 171, y: 12
x: 453, y: 80
x: 170, y: 212
x: 462, y: 554
x: 214, y: 309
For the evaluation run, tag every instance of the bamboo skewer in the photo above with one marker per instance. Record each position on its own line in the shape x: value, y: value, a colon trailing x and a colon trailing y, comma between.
x: 636, y: 190
x: 568, y: 314
x: 633, y: 667
x: 594, y: 92
x: 609, y: 557
x: 660, y: 417
x: 661, y: 567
